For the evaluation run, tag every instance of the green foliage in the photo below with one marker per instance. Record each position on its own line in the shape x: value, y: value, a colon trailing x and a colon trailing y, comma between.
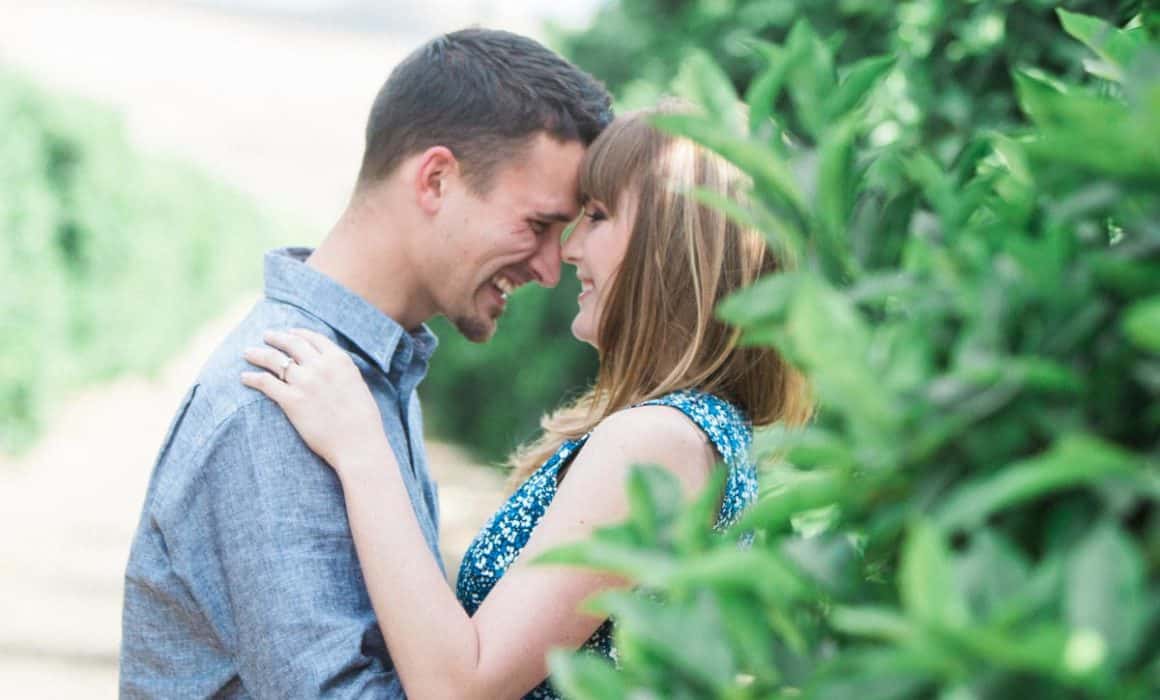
x: 108, y: 260
x: 973, y: 513
x: 953, y: 60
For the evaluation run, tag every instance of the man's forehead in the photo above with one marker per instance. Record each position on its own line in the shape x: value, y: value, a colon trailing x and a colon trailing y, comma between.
x: 554, y: 200
x: 557, y: 205
x: 546, y: 176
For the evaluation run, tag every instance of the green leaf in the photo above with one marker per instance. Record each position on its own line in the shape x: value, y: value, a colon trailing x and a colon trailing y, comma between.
x: 832, y: 560
x: 1142, y: 324
x: 784, y: 238
x: 654, y: 499
x: 1087, y: 133
x: 812, y: 79
x: 882, y: 673
x: 857, y: 85
x: 1039, y: 649
x: 688, y: 637
x: 829, y: 339
x: 1131, y: 278
x: 1105, y: 589
x: 748, y: 570
x: 751, y: 636
x: 764, y: 301
x: 641, y: 564
x: 1039, y: 593
x: 761, y: 97
x: 809, y: 447
x: 584, y: 676
x: 1037, y: 94
x: 1075, y: 460
x: 756, y: 159
x: 874, y: 622
x: 991, y: 572
x: 1117, y: 47
x: 694, y: 530
x: 703, y: 82
x: 806, y: 491
x: 836, y: 192
x: 927, y: 583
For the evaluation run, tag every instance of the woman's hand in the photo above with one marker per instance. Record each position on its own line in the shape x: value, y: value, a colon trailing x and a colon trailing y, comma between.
x: 322, y: 392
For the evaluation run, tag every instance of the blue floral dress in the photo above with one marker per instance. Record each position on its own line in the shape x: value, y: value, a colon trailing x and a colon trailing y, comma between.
x: 499, y: 543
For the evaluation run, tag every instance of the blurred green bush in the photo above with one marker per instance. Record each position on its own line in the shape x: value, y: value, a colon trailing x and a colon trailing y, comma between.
x: 109, y: 260
x: 954, y: 59
x: 974, y: 512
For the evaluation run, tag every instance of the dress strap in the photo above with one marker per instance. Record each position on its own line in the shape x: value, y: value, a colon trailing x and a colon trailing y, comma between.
x: 722, y: 422
x: 731, y: 434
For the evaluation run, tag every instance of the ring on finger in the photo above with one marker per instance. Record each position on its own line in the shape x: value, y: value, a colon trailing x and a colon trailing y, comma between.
x: 286, y: 362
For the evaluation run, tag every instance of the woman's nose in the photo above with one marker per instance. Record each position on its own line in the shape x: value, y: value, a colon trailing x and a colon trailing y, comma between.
x: 570, y: 251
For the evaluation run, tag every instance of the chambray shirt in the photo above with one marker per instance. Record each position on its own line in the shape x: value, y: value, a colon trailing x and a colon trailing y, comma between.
x: 243, y: 579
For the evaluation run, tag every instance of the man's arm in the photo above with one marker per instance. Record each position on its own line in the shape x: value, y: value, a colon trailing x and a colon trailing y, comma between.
x: 271, y: 543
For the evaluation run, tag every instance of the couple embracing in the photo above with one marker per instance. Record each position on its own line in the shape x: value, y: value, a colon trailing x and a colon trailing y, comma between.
x: 288, y: 545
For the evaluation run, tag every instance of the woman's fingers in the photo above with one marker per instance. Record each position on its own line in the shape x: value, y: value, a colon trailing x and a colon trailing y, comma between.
x: 269, y: 385
x: 318, y: 341
x: 268, y: 359
x: 295, y: 346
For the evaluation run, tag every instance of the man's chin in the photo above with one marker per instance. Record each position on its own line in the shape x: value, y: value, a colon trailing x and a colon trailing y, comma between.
x: 476, y: 330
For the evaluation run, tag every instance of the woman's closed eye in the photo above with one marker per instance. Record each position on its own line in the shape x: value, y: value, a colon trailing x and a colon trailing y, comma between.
x: 595, y: 214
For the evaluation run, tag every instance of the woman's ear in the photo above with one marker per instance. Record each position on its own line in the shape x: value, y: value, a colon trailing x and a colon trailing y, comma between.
x: 437, y: 165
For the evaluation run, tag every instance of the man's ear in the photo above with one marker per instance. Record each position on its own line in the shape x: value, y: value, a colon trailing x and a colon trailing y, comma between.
x: 437, y: 165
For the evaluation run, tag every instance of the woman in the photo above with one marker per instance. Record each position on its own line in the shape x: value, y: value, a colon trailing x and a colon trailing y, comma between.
x: 653, y: 263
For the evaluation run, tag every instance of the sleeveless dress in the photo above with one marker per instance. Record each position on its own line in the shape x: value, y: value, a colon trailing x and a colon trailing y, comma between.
x: 499, y: 543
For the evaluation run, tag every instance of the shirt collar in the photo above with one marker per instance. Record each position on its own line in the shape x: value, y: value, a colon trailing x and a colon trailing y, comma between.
x: 378, y: 336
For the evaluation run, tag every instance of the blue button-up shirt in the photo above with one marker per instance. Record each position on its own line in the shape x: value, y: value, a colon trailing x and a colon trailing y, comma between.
x: 243, y: 579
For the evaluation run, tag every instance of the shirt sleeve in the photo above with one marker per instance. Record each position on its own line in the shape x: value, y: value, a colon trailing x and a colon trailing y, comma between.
x: 273, y: 552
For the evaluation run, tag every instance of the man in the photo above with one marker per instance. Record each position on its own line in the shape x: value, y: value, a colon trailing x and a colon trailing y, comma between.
x: 243, y: 579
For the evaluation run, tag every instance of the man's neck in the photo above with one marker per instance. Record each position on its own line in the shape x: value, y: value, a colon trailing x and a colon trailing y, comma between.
x: 366, y: 252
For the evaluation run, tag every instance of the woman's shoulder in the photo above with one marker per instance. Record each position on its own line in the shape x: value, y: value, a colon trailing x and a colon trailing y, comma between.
x: 725, y: 425
x: 652, y: 420
x: 654, y: 434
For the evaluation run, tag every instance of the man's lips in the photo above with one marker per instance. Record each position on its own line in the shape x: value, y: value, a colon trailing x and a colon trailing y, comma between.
x: 506, y: 284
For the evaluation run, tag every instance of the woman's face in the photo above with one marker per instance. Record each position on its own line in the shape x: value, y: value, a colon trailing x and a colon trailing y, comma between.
x: 596, y: 247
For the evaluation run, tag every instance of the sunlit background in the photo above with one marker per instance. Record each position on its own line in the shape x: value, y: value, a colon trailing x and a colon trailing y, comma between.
x: 149, y: 151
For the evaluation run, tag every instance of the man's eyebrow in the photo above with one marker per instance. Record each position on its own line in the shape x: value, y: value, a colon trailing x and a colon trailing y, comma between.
x: 559, y: 217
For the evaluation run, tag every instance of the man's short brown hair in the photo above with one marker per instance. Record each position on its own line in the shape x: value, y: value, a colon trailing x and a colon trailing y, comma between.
x: 481, y: 93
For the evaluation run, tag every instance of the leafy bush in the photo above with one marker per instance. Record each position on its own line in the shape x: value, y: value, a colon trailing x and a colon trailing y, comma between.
x: 954, y: 59
x: 974, y: 512
x: 108, y: 260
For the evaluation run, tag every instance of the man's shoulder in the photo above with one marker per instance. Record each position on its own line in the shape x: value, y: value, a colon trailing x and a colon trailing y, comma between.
x: 218, y: 384
x: 218, y: 404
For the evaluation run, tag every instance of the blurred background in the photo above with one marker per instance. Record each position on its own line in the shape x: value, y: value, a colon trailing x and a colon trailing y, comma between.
x: 150, y: 151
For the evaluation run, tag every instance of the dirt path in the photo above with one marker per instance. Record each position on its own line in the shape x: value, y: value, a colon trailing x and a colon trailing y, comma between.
x: 276, y: 110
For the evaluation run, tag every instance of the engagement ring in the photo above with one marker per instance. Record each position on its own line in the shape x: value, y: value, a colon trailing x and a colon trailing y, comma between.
x: 286, y: 362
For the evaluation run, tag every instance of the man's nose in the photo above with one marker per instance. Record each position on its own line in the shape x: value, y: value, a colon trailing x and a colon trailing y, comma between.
x: 545, y: 264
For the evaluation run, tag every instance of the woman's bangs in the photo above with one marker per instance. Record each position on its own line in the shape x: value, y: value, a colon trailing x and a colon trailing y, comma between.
x: 613, y: 162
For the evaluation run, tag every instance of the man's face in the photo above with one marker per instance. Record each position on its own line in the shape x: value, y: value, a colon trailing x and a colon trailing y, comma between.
x: 490, y: 245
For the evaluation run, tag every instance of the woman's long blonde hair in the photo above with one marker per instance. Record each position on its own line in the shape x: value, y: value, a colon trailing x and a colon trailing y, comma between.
x: 657, y: 331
